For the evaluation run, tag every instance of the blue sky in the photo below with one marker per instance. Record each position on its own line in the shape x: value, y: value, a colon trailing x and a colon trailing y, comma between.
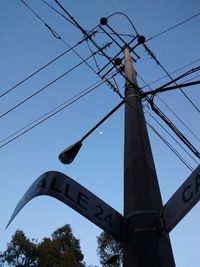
x: 26, y: 45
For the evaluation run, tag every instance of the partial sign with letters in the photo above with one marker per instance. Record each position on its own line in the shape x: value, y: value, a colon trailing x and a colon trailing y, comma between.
x: 182, y: 201
x: 65, y: 189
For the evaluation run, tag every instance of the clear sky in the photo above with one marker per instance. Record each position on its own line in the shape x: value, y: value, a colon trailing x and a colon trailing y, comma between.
x: 26, y: 45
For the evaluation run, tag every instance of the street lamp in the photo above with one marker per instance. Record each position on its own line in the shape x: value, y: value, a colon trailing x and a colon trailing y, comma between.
x: 69, y: 154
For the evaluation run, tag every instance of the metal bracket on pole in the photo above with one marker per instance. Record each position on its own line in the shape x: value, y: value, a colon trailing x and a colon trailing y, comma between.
x: 143, y: 221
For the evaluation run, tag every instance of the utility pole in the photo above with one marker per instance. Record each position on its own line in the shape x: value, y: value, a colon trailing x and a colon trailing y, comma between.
x: 145, y: 245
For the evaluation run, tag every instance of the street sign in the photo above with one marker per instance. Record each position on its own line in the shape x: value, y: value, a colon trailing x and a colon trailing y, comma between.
x: 182, y: 201
x: 65, y: 189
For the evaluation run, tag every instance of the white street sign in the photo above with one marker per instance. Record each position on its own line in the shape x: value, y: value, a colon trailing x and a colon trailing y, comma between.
x: 65, y: 189
x: 182, y: 201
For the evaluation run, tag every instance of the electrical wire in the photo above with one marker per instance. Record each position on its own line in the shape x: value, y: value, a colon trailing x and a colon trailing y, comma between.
x: 58, y: 12
x: 89, y: 37
x: 162, y: 67
x: 173, y: 27
x: 41, y: 68
x: 114, y: 40
x: 166, y: 87
x: 167, y: 106
x: 181, y: 68
x: 76, y: 22
x: 171, y: 147
x: 52, y: 82
x: 123, y: 14
x: 176, y: 141
x: 90, y: 49
x: 153, y: 56
x: 164, y: 140
x: 119, y: 34
x: 174, y: 129
x: 55, y: 34
x: 187, y: 97
x: 84, y: 31
x: 47, y: 64
x: 183, y: 123
x: 49, y: 114
x: 86, y: 35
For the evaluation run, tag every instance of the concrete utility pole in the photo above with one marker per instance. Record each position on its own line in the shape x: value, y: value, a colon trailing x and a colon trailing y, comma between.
x: 144, y: 245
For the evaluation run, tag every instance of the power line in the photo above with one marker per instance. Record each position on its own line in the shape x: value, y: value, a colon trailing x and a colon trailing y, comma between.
x: 55, y: 34
x: 127, y: 17
x: 161, y: 66
x: 41, y: 68
x: 183, y: 123
x: 53, y: 8
x: 78, y: 25
x: 174, y: 129
x: 49, y: 114
x: 86, y: 36
x: 181, y: 68
x: 153, y: 56
x: 167, y: 106
x: 89, y: 37
x: 172, y: 137
x: 52, y: 82
x: 166, y: 86
x: 163, y: 139
x: 173, y: 27
x: 170, y: 147
x: 187, y: 97
x: 169, y: 88
x: 95, y: 44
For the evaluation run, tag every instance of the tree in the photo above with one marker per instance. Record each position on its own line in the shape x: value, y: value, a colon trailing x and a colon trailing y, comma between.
x: 61, y: 250
x: 20, y: 251
x: 107, y: 246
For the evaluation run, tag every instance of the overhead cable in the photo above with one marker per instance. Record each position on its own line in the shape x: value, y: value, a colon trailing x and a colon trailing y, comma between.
x: 53, y: 8
x: 49, y: 114
x: 167, y: 106
x: 154, y: 57
x: 166, y: 86
x: 52, y: 82
x: 175, y: 140
x: 55, y: 34
x: 79, y: 26
x: 173, y: 27
x: 175, y: 129
x: 161, y: 66
x: 183, y: 67
x: 171, y: 148
x: 41, y: 68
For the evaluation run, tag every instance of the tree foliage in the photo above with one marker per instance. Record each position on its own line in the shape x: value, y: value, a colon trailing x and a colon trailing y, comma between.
x: 20, y: 251
x: 61, y: 250
x: 107, y: 246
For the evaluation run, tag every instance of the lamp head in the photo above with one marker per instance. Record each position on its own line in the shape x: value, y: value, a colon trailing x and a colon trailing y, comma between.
x: 69, y: 154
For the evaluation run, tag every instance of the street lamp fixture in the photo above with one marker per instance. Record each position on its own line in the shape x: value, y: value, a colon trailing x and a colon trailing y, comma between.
x: 69, y: 154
